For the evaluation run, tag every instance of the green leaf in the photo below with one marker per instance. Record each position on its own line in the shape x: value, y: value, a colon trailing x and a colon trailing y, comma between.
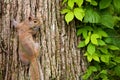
x: 69, y: 17
x: 81, y: 44
x: 91, y: 16
x: 105, y: 77
x: 108, y: 40
x: 65, y: 11
x: 104, y: 4
x: 86, y: 54
x: 117, y: 59
x: 87, y: 75
x: 79, y: 13
x: 89, y: 58
x: 79, y: 2
x: 93, y: 68
x: 96, y: 58
x: 107, y: 20
x: 94, y: 38
x: 103, y: 72
x: 89, y: 28
x: 79, y: 32
x: 88, y: 0
x: 103, y: 50
x: 87, y: 40
x: 101, y: 33
x: 89, y: 71
x: 91, y: 48
x: 112, y: 47
x: 94, y: 3
x: 105, y: 58
x: 101, y: 43
x: 84, y: 33
x: 116, y: 4
x: 71, y: 3
x: 117, y: 70
x: 89, y: 33
x: 64, y: 1
x: 114, y: 37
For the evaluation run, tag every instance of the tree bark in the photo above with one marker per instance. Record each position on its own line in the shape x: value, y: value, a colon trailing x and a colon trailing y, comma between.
x: 59, y: 57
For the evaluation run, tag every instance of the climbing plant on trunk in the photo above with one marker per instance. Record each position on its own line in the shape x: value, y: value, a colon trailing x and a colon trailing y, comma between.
x: 98, y: 25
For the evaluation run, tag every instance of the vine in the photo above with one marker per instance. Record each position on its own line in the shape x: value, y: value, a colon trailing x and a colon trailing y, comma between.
x: 99, y: 28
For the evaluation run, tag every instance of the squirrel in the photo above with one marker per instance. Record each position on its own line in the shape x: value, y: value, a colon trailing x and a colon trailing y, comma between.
x: 28, y: 48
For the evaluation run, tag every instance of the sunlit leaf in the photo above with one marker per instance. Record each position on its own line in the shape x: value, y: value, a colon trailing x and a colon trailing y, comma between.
x: 94, y: 38
x: 96, y: 58
x: 69, y: 17
x: 94, y: 3
x: 88, y: 0
x: 79, y: 13
x: 87, y: 40
x: 93, y: 68
x: 71, y: 3
x: 105, y: 58
x: 79, y: 2
x: 91, y: 48
x: 65, y: 11
x: 89, y: 58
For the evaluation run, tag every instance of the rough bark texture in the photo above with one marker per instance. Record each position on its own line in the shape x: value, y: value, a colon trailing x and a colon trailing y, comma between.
x: 59, y: 57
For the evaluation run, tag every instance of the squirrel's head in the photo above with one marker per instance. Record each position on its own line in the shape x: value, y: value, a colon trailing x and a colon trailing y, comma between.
x: 33, y: 23
x: 29, y: 25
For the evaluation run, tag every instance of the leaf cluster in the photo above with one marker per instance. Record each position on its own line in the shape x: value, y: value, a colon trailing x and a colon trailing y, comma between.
x: 98, y: 25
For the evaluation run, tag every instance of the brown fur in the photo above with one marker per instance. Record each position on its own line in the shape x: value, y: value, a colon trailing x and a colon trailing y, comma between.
x: 28, y: 48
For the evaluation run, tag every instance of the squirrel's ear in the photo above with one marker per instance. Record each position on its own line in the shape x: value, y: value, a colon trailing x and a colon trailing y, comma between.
x: 14, y: 23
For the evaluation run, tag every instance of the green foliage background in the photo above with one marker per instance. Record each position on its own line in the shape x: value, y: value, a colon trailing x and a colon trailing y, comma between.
x: 97, y: 22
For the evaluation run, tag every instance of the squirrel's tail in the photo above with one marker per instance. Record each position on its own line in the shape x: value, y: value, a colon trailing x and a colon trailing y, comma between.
x: 35, y: 70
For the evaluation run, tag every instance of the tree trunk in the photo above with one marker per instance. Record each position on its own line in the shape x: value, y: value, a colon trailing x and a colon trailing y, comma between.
x: 59, y: 57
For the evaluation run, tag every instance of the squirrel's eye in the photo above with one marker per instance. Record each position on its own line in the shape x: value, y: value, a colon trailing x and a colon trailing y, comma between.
x: 35, y: 21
